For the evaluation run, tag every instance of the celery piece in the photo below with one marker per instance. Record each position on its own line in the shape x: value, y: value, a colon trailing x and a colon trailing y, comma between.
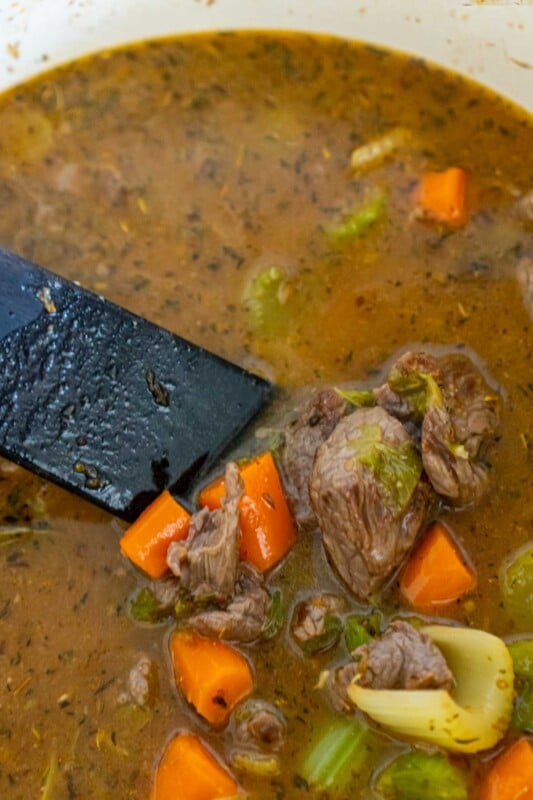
x: 418, y: 775
x: 336, y: 756
x: 419, y: 389
x: 397, y: 469
x: 360, y: 398
x: 358, y: 223
x: 522, y: 655
x: 516, y: 581
x: 265, y: 300
x: 360, y: 629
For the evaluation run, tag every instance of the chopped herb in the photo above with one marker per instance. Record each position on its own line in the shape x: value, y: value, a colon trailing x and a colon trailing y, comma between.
x: 145, y: 607
x: 360, y: 398
x: 361, y: 628
x: 419, y: 389
x: 274, y: 621
x: 397, y: 468
x: 325, y: 640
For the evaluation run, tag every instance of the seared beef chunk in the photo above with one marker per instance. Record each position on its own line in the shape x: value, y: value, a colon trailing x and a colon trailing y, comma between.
x: 338, y: 683
x: 245, y: 615
x: 259, y: 726
x: 315, y: 625
x: 205, y: 563
x: 403, y: 658
x: 303, y: 436
x: 367, y: 493
x: 451, y: 414
x: 524, y: 273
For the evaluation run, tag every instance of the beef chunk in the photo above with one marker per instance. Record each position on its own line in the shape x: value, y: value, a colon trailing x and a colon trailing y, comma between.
x: 303, y: 436
x: 315, y: 626
x: 338, y: 683
x: 403, y: 658
x: 524, y: 273
x: 245, y: 615
x: 205, y: 563
x: 451, y: 414
x: 369, y: 498
x: 260, y: 726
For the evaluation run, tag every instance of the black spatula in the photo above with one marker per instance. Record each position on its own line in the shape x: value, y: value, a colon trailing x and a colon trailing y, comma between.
x: 105, y: 403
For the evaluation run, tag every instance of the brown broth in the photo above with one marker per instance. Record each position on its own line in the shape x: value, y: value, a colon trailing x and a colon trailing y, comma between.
x: 164, y: 176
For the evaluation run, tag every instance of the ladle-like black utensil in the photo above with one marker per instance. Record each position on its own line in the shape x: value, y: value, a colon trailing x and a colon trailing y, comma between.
x: 104, y: 402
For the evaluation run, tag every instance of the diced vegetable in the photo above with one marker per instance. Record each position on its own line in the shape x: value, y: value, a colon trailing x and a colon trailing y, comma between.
x: 522, y: 655
x: 267, y: 527
x: 422, y: 776
x: 516, y: 581
x: 473, y: 716
x: 437, y: 572
x: 359, y: 222
x: 189, y: 771
x: 145, y: 607
x: 419, y: 389
x: 262, y: 765
x: 360, y: 398
x: 212, y: 675
x: 442, y: 196
x: 146, y: 542
x: 336, y: 756
x: 511, y: 774
x: 266, y: 299
x: 360, y: 628
x: 374, y: 153
x: 396, y: 468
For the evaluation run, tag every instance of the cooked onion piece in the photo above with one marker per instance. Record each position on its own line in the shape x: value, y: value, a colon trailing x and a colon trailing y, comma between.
x: 473, y: 716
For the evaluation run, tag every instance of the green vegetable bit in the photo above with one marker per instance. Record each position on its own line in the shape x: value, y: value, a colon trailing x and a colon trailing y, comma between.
x: 266, y: 302
x: 275, y: 619
x: 420, y: 776
x: 516, y: 581
x: 360, y: 629
x: 359, y: 222
x: 145, y: 607
x: 325, y: 640
x: 397, y: 469
x: 522, y: 655
x: 360, y: 398
x: 420, y: 390
x: 338, y: 755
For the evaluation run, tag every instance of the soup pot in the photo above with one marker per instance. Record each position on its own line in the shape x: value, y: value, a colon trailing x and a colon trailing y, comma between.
x: 491, y: 42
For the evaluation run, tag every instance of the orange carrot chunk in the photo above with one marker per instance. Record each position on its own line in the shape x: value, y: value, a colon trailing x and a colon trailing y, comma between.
x: 189, y: 771
x: 436, y: 573
x: 146, y: 542
x: 442, y: 196
x: 212, y: 675
x: 267, y: 527
x: 511, y: 774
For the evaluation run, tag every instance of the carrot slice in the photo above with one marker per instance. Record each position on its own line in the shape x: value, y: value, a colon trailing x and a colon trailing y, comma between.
x: 511, y: 774
x: 212, y: 675
x: 442, y: 196
x: 146, y: 541
x: 189, y: 771
x: 436, y: 573
x: 267, y: 527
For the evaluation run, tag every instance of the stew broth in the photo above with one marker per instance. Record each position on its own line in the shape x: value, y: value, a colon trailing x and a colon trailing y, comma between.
x: 166, y: 176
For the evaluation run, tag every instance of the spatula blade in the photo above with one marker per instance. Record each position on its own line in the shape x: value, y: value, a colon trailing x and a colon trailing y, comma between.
x: 104, y: 402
